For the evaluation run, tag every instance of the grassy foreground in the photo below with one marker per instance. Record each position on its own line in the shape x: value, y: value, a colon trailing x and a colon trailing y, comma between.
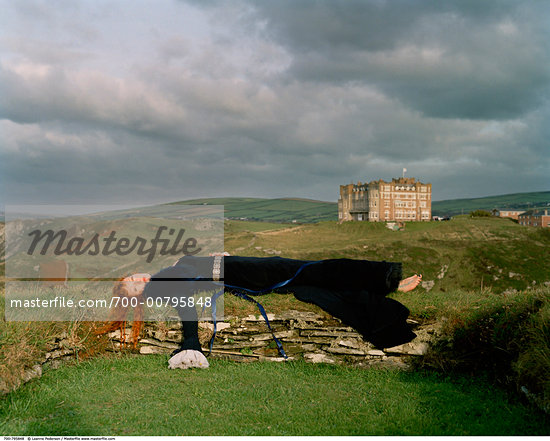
x: 140, y: 396
x: 489, y: 286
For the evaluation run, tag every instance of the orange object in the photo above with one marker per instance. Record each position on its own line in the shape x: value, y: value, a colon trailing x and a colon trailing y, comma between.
x: 131, y: 286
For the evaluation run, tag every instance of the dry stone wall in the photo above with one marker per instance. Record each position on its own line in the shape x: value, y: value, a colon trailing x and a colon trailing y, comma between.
x: 312, y: 337
x: 305, y: 335
x: 61, y: 351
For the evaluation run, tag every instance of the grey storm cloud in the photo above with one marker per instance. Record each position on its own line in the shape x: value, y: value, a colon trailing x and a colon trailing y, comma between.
x: 475, y: 60
x: 191, y: 99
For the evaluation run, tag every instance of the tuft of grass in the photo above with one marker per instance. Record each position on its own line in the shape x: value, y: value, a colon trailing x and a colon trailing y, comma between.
x: 25, y: 344
x: 507, y: 336
x: 22, y: 344
x: 139, y: 396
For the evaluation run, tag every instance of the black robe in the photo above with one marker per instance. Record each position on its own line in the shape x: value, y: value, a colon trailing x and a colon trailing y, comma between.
x: 352, y: 290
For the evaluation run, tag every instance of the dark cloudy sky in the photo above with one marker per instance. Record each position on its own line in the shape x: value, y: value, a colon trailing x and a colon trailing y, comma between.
x: 153, y: 101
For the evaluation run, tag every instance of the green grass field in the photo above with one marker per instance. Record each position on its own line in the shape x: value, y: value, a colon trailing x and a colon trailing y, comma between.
x: 493, y: 335
x: 462, y: 254
x: 139, y: 396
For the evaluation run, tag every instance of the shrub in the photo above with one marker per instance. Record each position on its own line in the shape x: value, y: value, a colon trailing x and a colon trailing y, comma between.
x: 480, y: 213
x: 507, y: 337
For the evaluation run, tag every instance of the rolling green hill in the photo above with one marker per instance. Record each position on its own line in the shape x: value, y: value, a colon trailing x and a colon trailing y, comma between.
x: 307, y: 210
x: 515, y: 201
x: 284, y: 210
x: 272, y: 210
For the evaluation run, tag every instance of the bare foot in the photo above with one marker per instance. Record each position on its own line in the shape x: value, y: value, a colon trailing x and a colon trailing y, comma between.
x: 409, y: 283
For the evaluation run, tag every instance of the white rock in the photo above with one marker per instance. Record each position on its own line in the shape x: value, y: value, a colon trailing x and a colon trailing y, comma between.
x: 58, y: 353
x: 167, y: 345
x: 350, y: 344
x: 34, y: 372
x: 376, y: 352
x: 412, y: 348
x: 148, y: 350
x: 188, y: 359
x: 220, y: 326
x: 428, y: 284
x: 318, y: 358
x: 345, y: 351
x: 259, y: 318
x: 117, y: 334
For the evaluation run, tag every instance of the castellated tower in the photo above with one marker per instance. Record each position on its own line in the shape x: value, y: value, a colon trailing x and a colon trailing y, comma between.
x: 402, y: 199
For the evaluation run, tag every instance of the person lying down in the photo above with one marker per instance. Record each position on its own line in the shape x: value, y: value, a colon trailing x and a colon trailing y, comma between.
x: 354, y: 291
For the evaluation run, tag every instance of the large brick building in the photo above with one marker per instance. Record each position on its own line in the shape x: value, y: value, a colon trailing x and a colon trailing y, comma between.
x: 402, y: 199
x: 535, y: 218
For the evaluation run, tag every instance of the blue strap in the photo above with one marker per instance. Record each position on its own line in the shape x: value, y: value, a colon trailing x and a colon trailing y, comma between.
x: 277, y: 285
x: 242, y: 293
x: 214, y: 299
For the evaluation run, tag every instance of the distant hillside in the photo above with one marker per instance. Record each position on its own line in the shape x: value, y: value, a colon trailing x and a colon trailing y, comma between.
x: 272, y: 210
x: 307, y: 210
x: 515, y: 201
